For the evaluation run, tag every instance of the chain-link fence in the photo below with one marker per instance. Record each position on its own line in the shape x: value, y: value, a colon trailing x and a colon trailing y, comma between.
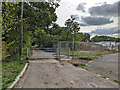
x: 85, y: 50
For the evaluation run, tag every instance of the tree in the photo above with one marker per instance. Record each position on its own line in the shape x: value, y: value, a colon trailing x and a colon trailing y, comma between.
x: 11, y: 29
x: 87, y: 37
x: 72, y: 27
x: 104, y: 38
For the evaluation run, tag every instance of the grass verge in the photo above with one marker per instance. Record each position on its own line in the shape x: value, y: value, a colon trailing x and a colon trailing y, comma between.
x: 90, y: 55
x: 10, y: 70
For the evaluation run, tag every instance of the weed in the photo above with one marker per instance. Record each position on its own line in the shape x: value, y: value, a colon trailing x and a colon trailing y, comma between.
x: 76, y: 81
x: 57, y: 58
x: 56, y: 83
x: 45, y: 82
x: 91, y: 71
x: 86, y: 58
x: 103, y: 76
x: 116, y: 81
x: 79, y: 64
x: 110, y: 72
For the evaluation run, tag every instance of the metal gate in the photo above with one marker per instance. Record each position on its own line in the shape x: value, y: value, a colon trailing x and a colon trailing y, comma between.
x: 63, y: 49
x: 35, y: 53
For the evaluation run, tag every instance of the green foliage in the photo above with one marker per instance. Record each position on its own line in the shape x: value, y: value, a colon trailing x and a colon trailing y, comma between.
x: 57, y: 58
x: 79, y: 37
x: 87, y: 58
x: 37, y: 17
x: 105, y: 38
x: 10, y: 71
x: 39, y: 27
x: 72, y: 27
x: 117, y: 81
x: 43, y: 39
x: 11, y: 29
x: 79, y: 64
x: 87, y: 37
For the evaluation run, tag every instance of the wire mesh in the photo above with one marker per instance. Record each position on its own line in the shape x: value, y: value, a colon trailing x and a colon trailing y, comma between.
x: 85, y: 50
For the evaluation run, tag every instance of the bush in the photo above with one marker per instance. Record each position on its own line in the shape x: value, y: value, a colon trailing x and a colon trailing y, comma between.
x: 86, y: 58
x: 79, y: 64
x: 57, y: 58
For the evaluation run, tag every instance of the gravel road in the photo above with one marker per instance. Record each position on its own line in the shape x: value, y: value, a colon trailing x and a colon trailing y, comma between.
x: 50, y: 73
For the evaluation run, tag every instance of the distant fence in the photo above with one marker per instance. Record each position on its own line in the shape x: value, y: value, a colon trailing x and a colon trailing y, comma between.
x: 81, y: 50
x: 85, y: 50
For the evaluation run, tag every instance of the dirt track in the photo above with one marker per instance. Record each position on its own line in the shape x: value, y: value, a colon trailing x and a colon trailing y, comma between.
x: 51, y: 74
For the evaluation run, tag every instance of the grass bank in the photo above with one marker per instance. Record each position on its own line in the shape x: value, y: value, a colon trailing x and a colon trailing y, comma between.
x: 90, y: 55
x: 10, y: 70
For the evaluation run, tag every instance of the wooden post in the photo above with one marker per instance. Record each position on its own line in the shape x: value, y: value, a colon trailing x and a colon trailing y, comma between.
x: 21, y: 32
x: 73, y: 48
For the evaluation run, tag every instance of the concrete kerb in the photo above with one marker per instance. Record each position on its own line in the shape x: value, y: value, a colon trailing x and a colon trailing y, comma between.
x: 18, y: 77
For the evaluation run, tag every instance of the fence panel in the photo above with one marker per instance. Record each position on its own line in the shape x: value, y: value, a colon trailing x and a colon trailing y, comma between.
x: 85, y: 50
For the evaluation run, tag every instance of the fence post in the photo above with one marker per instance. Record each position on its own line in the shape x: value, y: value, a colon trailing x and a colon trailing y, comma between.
x: 73, y: 48
x: 57, y: 52
x: 29, y: 52
x: 59, y: 48
x: 69, y: 52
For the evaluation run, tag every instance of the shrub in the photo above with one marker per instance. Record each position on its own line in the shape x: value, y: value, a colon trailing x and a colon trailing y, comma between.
x: 79, y: 64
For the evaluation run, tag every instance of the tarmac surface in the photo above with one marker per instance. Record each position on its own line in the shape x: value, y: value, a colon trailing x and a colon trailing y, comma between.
x: 107, y: 65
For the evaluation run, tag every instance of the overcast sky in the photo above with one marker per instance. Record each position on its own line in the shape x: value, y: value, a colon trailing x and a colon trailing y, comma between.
x: 97, y: 17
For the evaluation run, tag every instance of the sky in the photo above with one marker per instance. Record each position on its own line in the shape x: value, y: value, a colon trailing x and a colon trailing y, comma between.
x: 96, y: 17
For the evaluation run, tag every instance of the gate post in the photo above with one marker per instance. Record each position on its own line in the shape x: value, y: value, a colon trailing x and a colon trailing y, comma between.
x: 57, y: 52
x: 69, y: 52
x: 59, y: 49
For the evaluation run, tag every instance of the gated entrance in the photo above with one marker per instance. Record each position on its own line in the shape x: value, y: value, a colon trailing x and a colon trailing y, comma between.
x: 41, y: 53
x: 69, y: 49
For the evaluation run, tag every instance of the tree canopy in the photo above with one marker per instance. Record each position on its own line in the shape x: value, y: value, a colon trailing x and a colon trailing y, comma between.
x: 104, y: 38
x: 39, y: 27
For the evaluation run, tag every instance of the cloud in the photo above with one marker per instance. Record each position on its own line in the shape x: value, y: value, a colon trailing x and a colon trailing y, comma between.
x: 105, y: 31
x: 81, y: 7
x: 105, y: 10
x: 82, y: 24
x: 89, y: 21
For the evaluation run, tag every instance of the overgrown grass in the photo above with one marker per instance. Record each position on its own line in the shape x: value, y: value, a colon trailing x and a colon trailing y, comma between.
x: 79, y: 64
x: 57, y: 58
x: 10, y: 70
x: 90, y: 55
x: 117, y: 81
